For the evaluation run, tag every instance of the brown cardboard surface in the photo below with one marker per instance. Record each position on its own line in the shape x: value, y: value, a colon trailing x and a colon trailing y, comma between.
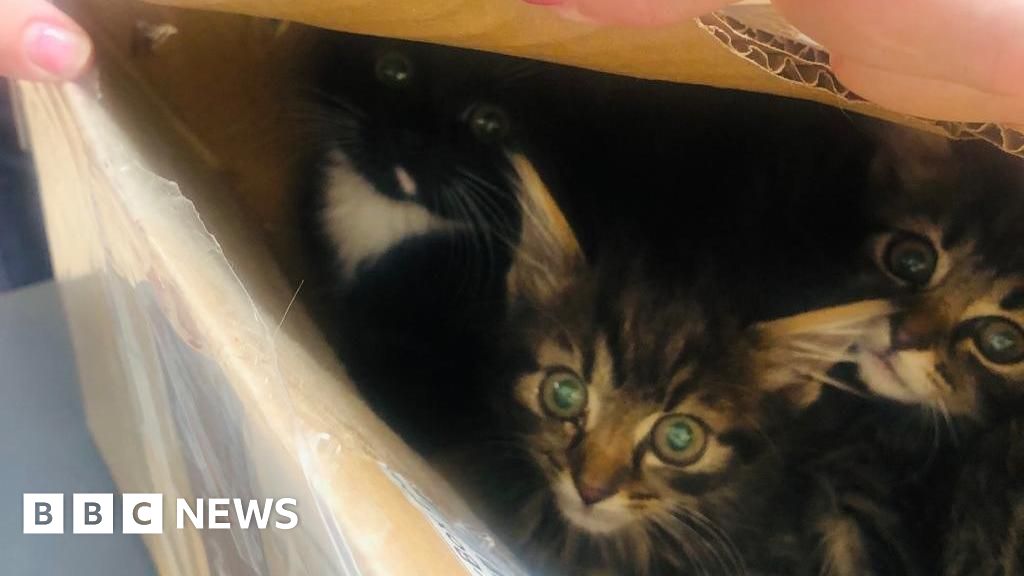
x: 773, y: 57
x: 682, y: 52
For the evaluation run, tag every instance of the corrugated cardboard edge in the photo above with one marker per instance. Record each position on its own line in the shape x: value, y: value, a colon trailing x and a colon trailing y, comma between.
x: 797, y: 61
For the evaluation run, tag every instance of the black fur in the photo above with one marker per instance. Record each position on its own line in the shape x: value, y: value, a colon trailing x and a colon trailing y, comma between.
x: 409, y: 324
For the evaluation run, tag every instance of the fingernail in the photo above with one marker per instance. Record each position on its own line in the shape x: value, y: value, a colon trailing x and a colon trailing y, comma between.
x: 60, y: 53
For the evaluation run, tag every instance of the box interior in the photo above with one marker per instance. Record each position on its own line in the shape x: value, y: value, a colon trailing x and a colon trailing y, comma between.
x: 166, y: 195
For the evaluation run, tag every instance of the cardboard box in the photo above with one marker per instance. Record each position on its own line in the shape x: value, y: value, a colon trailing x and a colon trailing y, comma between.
x: 164, y: 186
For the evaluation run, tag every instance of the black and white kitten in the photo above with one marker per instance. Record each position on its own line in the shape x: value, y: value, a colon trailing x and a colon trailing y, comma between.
x: 408, y: 209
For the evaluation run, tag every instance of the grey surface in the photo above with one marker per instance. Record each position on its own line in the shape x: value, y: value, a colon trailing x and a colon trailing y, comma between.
x: 45, y: 446
x: 23, y: 253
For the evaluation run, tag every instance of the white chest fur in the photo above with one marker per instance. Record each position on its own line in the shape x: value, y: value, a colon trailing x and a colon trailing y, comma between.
x: 362, y: 223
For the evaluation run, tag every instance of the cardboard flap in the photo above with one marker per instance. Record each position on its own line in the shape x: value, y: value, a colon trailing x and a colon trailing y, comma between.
x: 772, y: 58
x: 684, y: 52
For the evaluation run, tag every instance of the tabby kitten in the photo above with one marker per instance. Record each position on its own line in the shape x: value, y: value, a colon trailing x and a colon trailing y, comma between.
x: 406, y: 215
x: 949, y: 248
x: 635, y: 427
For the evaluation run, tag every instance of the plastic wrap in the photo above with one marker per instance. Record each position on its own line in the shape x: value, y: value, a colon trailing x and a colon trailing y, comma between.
x: 202, y: 379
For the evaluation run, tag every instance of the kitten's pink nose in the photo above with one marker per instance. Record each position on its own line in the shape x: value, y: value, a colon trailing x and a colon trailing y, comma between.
x: 591, y: 494
x: 915, y: 332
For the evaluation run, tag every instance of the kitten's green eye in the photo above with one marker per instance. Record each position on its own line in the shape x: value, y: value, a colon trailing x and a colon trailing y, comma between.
x: 911, y: 258
x: 394, y: 70
x: 563, y: 395
x: 489, y: 123
x: 1000, y: 341
x: 678, y: 439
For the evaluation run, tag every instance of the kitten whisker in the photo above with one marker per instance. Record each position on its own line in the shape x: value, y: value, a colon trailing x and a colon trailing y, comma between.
x: 815, y: 346
x: 494, y: 225
x: 485, y: 193
x: 944, y: 411
x: 732, y: 551
x: 936, y: 443
x: 477, y: 178
x: 700, y: 539
x: 670, y: 530
x: 939, y: 383
x: 824, y: 356
x: 335, y: 102
x: 697, y: 538
x: 823, y: 378
x: 466, y: 216
x: 472, y: 242
x: 481, y: 230
x: 446, y: 204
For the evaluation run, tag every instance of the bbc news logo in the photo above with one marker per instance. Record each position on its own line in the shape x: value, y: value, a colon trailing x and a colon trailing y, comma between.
x: 144, y: 513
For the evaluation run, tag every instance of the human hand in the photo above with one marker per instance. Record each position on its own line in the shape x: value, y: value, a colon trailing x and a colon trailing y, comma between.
x: 946, y: 59
x: 39, y: 42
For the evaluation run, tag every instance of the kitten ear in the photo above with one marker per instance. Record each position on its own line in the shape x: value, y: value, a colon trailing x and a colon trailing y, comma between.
x: 548, y: 254
x: 915, y: 157
x: 794, y: 354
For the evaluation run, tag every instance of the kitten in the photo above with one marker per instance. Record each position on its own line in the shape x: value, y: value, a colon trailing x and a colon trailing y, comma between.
x: 636, y: 421
x: 948, y: 247
x: 414, y: 143
x: 407, y: 210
